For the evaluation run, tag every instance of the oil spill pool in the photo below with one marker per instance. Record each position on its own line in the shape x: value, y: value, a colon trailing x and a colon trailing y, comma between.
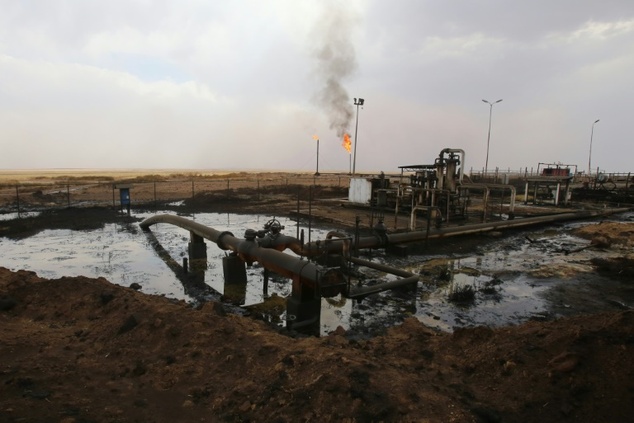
x: 118, y: 253
x: 124, y: 254
x: 511, y: 280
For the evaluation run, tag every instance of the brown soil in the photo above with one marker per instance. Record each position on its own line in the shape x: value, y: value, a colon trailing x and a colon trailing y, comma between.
x: 84, y: 350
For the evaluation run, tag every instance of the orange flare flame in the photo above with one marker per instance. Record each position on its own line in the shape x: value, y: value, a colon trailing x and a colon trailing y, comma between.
x: 315, y: 137
x: 347, y: 143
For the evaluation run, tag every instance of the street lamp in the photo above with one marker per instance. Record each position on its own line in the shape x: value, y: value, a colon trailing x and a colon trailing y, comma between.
x: 357, y: 102
x: 590, y: 154
x: 486, y: 163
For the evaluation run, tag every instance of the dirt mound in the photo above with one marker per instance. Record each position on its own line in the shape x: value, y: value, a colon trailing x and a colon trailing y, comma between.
x: 85, y: 350
x: 608, y: 234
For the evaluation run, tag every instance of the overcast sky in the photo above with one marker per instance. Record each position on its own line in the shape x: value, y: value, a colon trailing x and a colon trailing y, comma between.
x: 246, y: 84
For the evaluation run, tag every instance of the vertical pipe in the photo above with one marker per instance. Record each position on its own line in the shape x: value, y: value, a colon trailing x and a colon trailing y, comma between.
x: 447, y: 207
x: 412, y: 206
x: 485, y: 203
x: 265, y: 284
x: 428, y: 226
x: 298, y: 193
x: 502, y: 202
x: 356, y: 236
x: 398, y: 197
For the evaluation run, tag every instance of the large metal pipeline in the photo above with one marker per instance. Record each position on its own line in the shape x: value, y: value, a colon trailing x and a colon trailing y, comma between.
x: 298, y: 269
x: 383, y: 240
x: 247, y: 249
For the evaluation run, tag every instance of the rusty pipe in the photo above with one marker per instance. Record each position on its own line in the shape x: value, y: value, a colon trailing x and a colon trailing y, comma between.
x: 418, y: 236
x: 364, y: 291
x: 195, y: 227
x: 382, y: 267
x: 346, y: 241
x: 281, y: 242
x: 408, y: 279
x: 248, y: 250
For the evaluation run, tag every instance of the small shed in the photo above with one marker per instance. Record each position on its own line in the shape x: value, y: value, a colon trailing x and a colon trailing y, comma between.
x: 124, y: 196
x: 360, y: 191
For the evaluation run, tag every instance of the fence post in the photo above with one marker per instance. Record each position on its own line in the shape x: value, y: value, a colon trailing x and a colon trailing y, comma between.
x: 17, y: 198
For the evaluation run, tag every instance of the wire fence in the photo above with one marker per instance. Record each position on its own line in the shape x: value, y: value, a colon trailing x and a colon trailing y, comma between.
x: 51, y: 194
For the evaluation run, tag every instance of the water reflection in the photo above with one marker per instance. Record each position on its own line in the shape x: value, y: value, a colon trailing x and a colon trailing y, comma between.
x: 21, y: 215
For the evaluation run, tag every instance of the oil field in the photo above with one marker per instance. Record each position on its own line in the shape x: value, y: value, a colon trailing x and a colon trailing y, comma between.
x: 423, y: 295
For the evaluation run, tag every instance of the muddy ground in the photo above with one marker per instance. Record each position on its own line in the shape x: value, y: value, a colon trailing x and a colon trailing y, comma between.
x: 85, y: 350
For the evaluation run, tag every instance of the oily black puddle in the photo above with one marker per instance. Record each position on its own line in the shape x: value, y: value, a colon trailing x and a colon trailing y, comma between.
x: 528, y: 275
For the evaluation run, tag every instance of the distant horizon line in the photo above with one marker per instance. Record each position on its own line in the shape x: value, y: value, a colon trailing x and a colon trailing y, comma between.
x: 57, y: 170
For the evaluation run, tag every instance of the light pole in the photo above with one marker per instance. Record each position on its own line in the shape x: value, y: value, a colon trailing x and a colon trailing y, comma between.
x: 317, y: 170
x: 357, y: 102
x: 590, y: 154
x: 486, y: 163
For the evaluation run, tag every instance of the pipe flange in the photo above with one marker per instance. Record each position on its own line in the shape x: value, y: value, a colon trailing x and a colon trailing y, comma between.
x: 222, y: 244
